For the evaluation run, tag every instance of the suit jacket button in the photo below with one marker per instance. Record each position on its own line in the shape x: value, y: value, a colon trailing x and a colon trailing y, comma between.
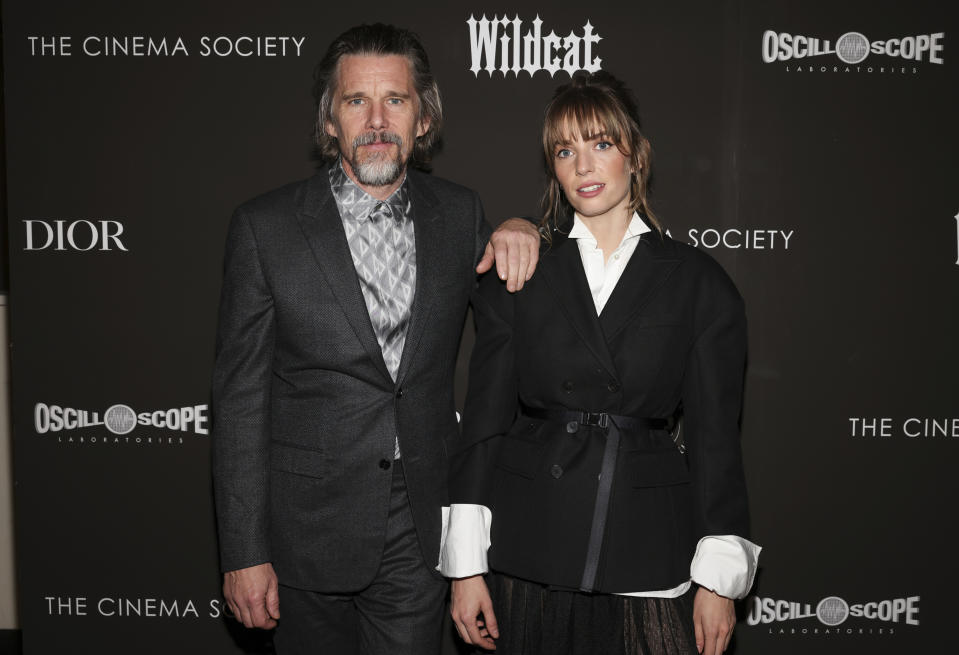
x: 613, y: 386
x: 385, y: 464
x: 556, y: 471
x: 567, y: 385
x: 572, y: 427
x: 399, y: 393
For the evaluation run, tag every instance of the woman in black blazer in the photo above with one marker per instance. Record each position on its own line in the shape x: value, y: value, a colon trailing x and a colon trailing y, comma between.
x: 608, y: 534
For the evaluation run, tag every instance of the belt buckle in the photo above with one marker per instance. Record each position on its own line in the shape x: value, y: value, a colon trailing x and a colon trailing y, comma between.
x: 596, y: 418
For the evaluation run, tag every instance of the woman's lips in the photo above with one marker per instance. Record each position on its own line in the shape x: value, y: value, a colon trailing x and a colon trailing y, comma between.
x: 590, y: 190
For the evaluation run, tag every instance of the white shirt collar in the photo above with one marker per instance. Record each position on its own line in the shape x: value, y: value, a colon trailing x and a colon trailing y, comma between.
x: 635, y: 228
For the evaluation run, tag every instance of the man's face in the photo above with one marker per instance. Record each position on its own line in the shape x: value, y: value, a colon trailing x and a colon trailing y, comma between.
x: 374, y: 119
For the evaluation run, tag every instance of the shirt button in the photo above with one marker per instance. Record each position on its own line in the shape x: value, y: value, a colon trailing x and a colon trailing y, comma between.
x: 556, y: 471
x: 385, y: 464
x: 613, y: 386
x: 572, y: 427
x: 616, y: 256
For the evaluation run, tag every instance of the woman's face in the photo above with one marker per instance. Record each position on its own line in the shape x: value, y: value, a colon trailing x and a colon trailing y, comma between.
x: 594, y: 175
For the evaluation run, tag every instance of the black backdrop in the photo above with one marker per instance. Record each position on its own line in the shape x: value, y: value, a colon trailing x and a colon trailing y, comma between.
x: 824, y: 182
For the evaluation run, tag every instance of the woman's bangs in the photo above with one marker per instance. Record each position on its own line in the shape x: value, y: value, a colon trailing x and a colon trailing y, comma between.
x: 585, y: 118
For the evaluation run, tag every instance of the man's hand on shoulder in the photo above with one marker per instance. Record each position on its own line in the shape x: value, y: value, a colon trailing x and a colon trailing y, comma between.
x: 515, y: 248
x: 253, y: 595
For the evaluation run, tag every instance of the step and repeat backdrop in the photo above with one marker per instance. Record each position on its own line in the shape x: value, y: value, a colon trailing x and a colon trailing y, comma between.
x: 810, y: 147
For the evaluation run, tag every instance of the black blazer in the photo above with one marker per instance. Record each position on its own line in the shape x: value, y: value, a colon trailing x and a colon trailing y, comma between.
x: 672, y: 335
x: 305, y: 411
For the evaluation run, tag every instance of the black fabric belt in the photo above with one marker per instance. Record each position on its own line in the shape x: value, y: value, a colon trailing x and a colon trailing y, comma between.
x: 612, y: 423
x: 600, y: 419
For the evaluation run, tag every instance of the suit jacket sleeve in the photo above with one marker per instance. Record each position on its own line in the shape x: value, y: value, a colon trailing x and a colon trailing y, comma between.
x: 482, y: 231
x: 491, y: 398
x: 241, y: 402
x: 712, y: 399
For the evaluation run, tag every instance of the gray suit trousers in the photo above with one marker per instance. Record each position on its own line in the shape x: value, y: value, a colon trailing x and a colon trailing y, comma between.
x: 399, y: 613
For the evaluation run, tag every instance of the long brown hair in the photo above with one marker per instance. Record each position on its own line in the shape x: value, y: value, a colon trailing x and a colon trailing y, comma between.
x: 595, y: 104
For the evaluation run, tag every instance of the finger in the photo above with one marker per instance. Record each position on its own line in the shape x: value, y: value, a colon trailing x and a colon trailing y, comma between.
x: 700, y: 636
x: 273, y: 599
x: 712, y: 640
x: 709, y: 646
x: 512, y: 274
x: 720, y: 641
x: 500, y: 253
x: 729, y: 637
x: 477, y: 637
x: 461, y: 629
x: 489, y: 618
x: 487, y: 261
x: 259, y: 615
x: 244, y: 615
x: 522, y: 264
x: 533, y: 260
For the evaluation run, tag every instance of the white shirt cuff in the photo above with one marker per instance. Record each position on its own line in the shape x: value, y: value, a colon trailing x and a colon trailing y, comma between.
x: 464, y: 540
x: 725, y: 564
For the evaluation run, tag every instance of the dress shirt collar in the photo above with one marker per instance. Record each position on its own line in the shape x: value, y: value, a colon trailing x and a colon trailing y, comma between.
x: 356, y: 204
x: 636, y: 228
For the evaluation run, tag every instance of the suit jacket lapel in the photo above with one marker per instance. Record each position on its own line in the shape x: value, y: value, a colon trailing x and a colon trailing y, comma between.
x: 425, y: 208
x: 562, y: 269
x: 645, y: 273
x: 321, y: 224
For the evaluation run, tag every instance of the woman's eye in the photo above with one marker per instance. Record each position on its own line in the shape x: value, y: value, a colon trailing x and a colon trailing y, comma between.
x: 604, y: 145
x: 564, y: 153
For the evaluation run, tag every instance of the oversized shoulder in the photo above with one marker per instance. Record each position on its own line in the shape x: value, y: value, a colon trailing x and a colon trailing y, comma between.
x: 702, y: 275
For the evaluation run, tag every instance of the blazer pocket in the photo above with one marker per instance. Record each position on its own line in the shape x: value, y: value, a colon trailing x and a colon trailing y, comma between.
x: 656, y: 468
x: 520, y: 456
x: 299, y: 461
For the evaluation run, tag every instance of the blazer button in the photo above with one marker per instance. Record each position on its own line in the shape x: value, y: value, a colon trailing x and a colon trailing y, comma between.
x: 556, y: 471
x: 613, y: 386
x: 399, y: 393
x: 572, y: 427
x: 385, y: 464
x: 568, y: 385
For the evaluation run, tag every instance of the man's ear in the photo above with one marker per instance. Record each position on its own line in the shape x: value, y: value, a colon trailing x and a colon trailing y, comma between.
x: 423, y: 126
x: 330, y: 129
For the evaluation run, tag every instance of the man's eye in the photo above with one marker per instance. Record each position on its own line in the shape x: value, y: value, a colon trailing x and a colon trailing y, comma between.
x: 355, y: 101
x: 395, y: 101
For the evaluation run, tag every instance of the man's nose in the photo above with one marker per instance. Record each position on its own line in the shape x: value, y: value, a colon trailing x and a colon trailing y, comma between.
x: 376, y: 120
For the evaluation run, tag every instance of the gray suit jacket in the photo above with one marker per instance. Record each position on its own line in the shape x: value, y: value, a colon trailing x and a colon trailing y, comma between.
x: 305, y: 411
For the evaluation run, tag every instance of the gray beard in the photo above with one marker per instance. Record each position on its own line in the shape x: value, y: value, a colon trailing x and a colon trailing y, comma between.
x: 379, y: 171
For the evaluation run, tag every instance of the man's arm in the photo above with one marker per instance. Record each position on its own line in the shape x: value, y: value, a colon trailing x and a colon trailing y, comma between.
x: 515, y: 248
x: 241, y: 397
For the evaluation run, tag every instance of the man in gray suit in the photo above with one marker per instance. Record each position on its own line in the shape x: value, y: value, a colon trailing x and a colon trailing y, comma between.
x: 343, y: 302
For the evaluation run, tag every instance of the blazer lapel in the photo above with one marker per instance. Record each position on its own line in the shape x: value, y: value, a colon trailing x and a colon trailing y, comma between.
x: 644, y: 275
x: 321, y: 224
x: 562, y: 269
x: 425, y: 209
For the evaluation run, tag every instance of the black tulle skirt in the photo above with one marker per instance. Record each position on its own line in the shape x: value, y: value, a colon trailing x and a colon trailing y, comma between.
x: 536, y: 620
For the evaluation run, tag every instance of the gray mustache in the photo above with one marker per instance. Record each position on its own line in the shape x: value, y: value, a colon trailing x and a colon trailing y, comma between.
x: 374, y: 137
